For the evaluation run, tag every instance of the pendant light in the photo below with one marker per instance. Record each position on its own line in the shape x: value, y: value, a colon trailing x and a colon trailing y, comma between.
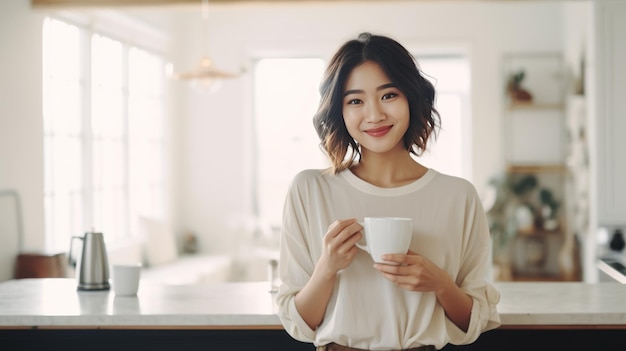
x: 204, y: 75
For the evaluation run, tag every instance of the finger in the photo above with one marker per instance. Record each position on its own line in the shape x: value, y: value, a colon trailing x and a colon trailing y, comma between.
x: 333, y: 229
x: 400, y: 280
x: 348, y: 250
x: 398, y: 258
x: 352, y: 240
x: 337, y: 226
x: 404, y: 282
x: 391, y: 269
x: 349, y: 230
x: 348, y: 236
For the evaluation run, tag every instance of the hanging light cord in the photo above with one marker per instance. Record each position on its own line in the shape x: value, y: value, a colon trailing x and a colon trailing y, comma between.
x: 205, y: 27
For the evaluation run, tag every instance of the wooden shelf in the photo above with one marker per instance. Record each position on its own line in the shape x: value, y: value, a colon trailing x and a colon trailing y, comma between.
x: 537, y: 278
x: 522, y: 105
x: 537, y: 233
x: 536, y: 168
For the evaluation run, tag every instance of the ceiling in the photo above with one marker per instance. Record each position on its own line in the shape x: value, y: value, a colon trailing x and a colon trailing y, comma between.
x: 126, y: 3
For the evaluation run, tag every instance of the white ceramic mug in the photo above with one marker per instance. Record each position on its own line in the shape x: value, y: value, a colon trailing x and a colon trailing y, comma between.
x: 126, y: 279
x: 386, y: 235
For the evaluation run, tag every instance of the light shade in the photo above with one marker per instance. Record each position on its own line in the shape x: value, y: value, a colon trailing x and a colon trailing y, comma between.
x: 204, y: 75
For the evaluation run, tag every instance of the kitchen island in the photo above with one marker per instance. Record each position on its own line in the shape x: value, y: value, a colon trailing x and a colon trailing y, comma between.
x: 242, y: 316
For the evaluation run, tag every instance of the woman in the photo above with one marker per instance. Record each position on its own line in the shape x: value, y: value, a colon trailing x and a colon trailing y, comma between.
x: 376, y: 109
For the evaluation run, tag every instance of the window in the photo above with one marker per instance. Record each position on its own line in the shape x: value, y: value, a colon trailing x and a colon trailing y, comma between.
x: 450, y: 152
x: 103, y: 134
x: 108, y: 134
x: 286, y: 97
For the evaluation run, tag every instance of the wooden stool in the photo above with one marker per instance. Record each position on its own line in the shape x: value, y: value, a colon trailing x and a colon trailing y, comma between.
x: 41, y: 265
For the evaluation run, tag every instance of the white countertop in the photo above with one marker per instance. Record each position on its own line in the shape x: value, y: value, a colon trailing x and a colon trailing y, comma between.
x: 55, y: 303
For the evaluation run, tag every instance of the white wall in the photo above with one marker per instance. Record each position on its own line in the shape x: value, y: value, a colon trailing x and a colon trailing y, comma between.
x: 21, y: 125
x: 212, y: 147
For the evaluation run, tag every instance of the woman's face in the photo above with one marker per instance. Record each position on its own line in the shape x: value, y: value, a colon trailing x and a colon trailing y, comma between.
x: 375, y: 111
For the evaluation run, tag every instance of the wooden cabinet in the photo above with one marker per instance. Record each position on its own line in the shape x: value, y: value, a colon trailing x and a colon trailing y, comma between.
x: 536, y: 338
x: 610, y: 112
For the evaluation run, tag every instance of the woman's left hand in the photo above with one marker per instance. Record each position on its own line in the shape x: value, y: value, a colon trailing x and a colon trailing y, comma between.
x: 414, y: 272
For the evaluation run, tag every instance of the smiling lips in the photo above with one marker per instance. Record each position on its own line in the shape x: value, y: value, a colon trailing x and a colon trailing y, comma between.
x: 378, y: 132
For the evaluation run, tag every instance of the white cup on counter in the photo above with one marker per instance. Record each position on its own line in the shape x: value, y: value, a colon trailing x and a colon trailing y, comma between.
x: 126, y: 279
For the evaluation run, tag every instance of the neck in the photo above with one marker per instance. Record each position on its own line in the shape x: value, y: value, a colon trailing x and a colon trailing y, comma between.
x: 388, y: 170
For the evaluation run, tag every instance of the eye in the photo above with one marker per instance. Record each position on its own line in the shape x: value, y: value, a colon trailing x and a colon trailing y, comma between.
x: 388, y: 96
x: 354, y: 102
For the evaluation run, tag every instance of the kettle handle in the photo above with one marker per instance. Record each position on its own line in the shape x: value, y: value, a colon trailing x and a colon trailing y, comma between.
x: 70, y: 261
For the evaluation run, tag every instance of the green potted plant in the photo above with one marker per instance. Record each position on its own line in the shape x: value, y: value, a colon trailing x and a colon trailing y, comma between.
x: 515, y: 89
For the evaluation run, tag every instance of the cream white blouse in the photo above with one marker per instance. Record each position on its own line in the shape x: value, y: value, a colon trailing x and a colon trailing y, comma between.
x: 366, y: 310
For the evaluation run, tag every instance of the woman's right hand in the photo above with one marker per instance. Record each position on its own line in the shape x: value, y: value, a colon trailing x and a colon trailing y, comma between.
x: 339, y: 247
x: 338, y: 251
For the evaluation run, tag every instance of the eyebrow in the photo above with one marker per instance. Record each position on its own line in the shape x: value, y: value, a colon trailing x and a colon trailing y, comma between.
x: 358, y: 91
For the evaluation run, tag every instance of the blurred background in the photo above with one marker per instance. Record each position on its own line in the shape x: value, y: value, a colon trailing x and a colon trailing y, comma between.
x: 174, y: 127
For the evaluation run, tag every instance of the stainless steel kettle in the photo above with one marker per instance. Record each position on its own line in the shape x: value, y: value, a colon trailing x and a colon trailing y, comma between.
x: 92, y: 269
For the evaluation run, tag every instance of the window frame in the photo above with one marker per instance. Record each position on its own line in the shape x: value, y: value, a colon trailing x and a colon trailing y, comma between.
x: 57, y: 241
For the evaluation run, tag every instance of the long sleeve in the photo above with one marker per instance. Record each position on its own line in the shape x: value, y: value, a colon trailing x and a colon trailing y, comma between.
x: 295, y: 265
x: 473, y: 274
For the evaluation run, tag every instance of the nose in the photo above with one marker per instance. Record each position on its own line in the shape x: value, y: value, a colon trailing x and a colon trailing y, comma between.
x: 375, y: 112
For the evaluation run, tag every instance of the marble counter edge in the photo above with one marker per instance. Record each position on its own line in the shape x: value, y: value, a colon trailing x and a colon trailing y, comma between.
x: 563, y: 319
x: 169, y: 320
x: 230, y: 321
